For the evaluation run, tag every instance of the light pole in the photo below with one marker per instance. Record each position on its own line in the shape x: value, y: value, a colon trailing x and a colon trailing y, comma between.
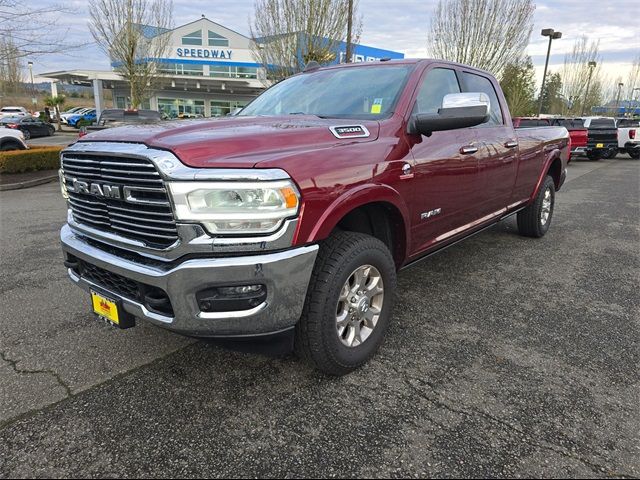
x: 620, y: 85
x: 349, y: 51
x: 592, y: 66
x: 553, y: 35
x: 33, y: 90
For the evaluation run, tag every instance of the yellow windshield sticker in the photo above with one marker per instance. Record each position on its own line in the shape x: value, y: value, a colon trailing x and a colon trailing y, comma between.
x: 377, y: 106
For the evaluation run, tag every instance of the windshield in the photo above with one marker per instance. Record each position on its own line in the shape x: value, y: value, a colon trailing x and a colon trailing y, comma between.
x: 364, y: 92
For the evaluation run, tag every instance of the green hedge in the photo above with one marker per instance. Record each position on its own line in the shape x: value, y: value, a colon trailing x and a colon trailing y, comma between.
x: 33, y: 159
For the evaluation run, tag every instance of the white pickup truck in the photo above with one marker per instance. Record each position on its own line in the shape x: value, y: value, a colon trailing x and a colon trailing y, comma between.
x: 629, y: 137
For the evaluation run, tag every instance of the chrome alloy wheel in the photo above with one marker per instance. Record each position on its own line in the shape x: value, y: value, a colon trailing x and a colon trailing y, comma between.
x: 545, y: 212
x: 359, y: 305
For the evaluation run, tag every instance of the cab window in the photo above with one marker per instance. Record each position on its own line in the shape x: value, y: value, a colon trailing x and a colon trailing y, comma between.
x: 476, y: 83
x: 436, y: 84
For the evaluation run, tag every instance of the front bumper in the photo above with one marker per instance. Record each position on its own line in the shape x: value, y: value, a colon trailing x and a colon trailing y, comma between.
x: 285, y: 274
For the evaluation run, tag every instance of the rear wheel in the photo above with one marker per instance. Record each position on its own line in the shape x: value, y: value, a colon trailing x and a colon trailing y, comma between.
x: 51, y: 130
x: 594, y: 155
x: 534, y: 221
x: 610, y: 153
x: 635, y: 153
x: 27, y: 134
x: 348, y: 305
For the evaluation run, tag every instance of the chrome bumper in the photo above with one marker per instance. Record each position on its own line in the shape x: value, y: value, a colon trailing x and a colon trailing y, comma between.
x: 285, y: 274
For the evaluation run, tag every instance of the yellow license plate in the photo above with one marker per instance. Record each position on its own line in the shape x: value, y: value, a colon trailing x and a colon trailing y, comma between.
x: 105, y: 308
x: 600, y: 145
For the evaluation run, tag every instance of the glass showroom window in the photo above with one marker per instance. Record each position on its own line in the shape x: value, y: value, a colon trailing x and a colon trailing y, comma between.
x: 193, y: 38
x: 216, y: 40
x: 182, y: 69
x: 222, y: 108
x: 181, y: 107
x: 219, y: 71
x: 232, y: 72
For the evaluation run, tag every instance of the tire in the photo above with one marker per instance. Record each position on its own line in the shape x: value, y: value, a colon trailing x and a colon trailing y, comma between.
x: 611, y: 153
x: 318, y: 338
x: 534, y: 221
x: 51, y: 131
x: 594, y: 155
x: 7, y: 146
x: 27, y: 134
x: 635, y: 153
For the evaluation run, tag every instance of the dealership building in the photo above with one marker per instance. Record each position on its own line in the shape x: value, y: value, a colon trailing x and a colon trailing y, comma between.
x: 209, y: 71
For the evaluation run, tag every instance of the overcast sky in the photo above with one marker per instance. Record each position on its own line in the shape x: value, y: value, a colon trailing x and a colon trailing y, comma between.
x: 401, y: 25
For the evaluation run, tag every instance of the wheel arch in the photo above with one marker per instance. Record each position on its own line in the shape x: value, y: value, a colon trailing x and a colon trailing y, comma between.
x: 377, y: 210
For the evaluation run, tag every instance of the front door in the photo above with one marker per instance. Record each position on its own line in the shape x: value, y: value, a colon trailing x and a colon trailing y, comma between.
x: 498, y: 154
x: 446, y: 168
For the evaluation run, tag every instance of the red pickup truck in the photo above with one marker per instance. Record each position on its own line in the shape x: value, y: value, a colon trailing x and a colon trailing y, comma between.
x: 294, y: 216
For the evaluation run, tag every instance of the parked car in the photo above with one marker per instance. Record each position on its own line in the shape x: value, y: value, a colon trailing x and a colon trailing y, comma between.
x: 29, y: 126
x: 117, y: 117
x: 83, y: 118
x: 14, y: 112
x: 629, y: 136
x: 577, y: 133
x: 602, y: 141
x: 74, y: 111
x: 294, y: 216
x: 11, y: 140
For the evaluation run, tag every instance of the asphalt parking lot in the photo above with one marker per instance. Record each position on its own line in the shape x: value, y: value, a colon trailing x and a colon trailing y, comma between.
x: 507, y: 357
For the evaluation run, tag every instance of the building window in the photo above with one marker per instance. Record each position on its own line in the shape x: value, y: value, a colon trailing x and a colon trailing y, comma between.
x: 181, y: 107
x: 233, y: 72
x: 193, y: 38
x: 221, y: 108
x: 216, y: 40
x: 181, y: 69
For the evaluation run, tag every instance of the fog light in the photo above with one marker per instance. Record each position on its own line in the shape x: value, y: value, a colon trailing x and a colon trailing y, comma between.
x: 228, y: 291
x: 232, y: 298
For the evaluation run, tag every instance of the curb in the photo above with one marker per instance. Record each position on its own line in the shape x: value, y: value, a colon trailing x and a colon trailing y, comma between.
x: 28, y: 184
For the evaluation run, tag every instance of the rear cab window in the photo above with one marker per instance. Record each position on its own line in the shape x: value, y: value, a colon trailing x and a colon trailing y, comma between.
x: 603, y: 123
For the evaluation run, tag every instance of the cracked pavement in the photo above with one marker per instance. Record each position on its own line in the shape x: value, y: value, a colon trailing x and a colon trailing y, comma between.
x: 507, y: 357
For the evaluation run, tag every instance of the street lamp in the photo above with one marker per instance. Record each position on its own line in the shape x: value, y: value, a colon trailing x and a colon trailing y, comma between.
x: 592, y: 66
x: 620, y: 85
x: 553, y: 35
x: 33, y: 90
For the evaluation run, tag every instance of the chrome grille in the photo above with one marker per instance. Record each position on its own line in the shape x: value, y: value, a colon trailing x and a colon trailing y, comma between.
x: 149, y: 219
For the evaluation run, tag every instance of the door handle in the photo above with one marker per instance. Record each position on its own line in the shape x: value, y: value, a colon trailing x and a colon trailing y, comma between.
x: 468, y: 149
x: 511, y: 144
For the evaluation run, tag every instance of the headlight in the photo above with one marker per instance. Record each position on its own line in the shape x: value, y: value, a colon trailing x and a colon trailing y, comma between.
x: 236, y: 207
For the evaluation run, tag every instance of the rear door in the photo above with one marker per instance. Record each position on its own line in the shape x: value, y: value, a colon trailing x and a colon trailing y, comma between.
x: 498, y: 154
x: 446, y: 167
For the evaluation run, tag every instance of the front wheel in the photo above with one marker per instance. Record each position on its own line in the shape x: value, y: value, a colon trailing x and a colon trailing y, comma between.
x: 534, y: 221
x: 348, y: 305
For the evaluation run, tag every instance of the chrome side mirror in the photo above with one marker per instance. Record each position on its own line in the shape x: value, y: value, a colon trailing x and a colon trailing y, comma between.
x: 459, y: 110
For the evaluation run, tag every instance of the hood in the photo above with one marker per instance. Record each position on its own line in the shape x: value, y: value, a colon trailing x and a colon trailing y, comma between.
x: 239, y: 142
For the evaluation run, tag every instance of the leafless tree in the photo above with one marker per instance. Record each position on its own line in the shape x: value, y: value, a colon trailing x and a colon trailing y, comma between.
x: 633, y: 81
x: 118, y: 27
x: 10, y: 66
x: 575, y: 73
x: 34, y: 30
x: 487, y: 34
x: 290, y: 33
